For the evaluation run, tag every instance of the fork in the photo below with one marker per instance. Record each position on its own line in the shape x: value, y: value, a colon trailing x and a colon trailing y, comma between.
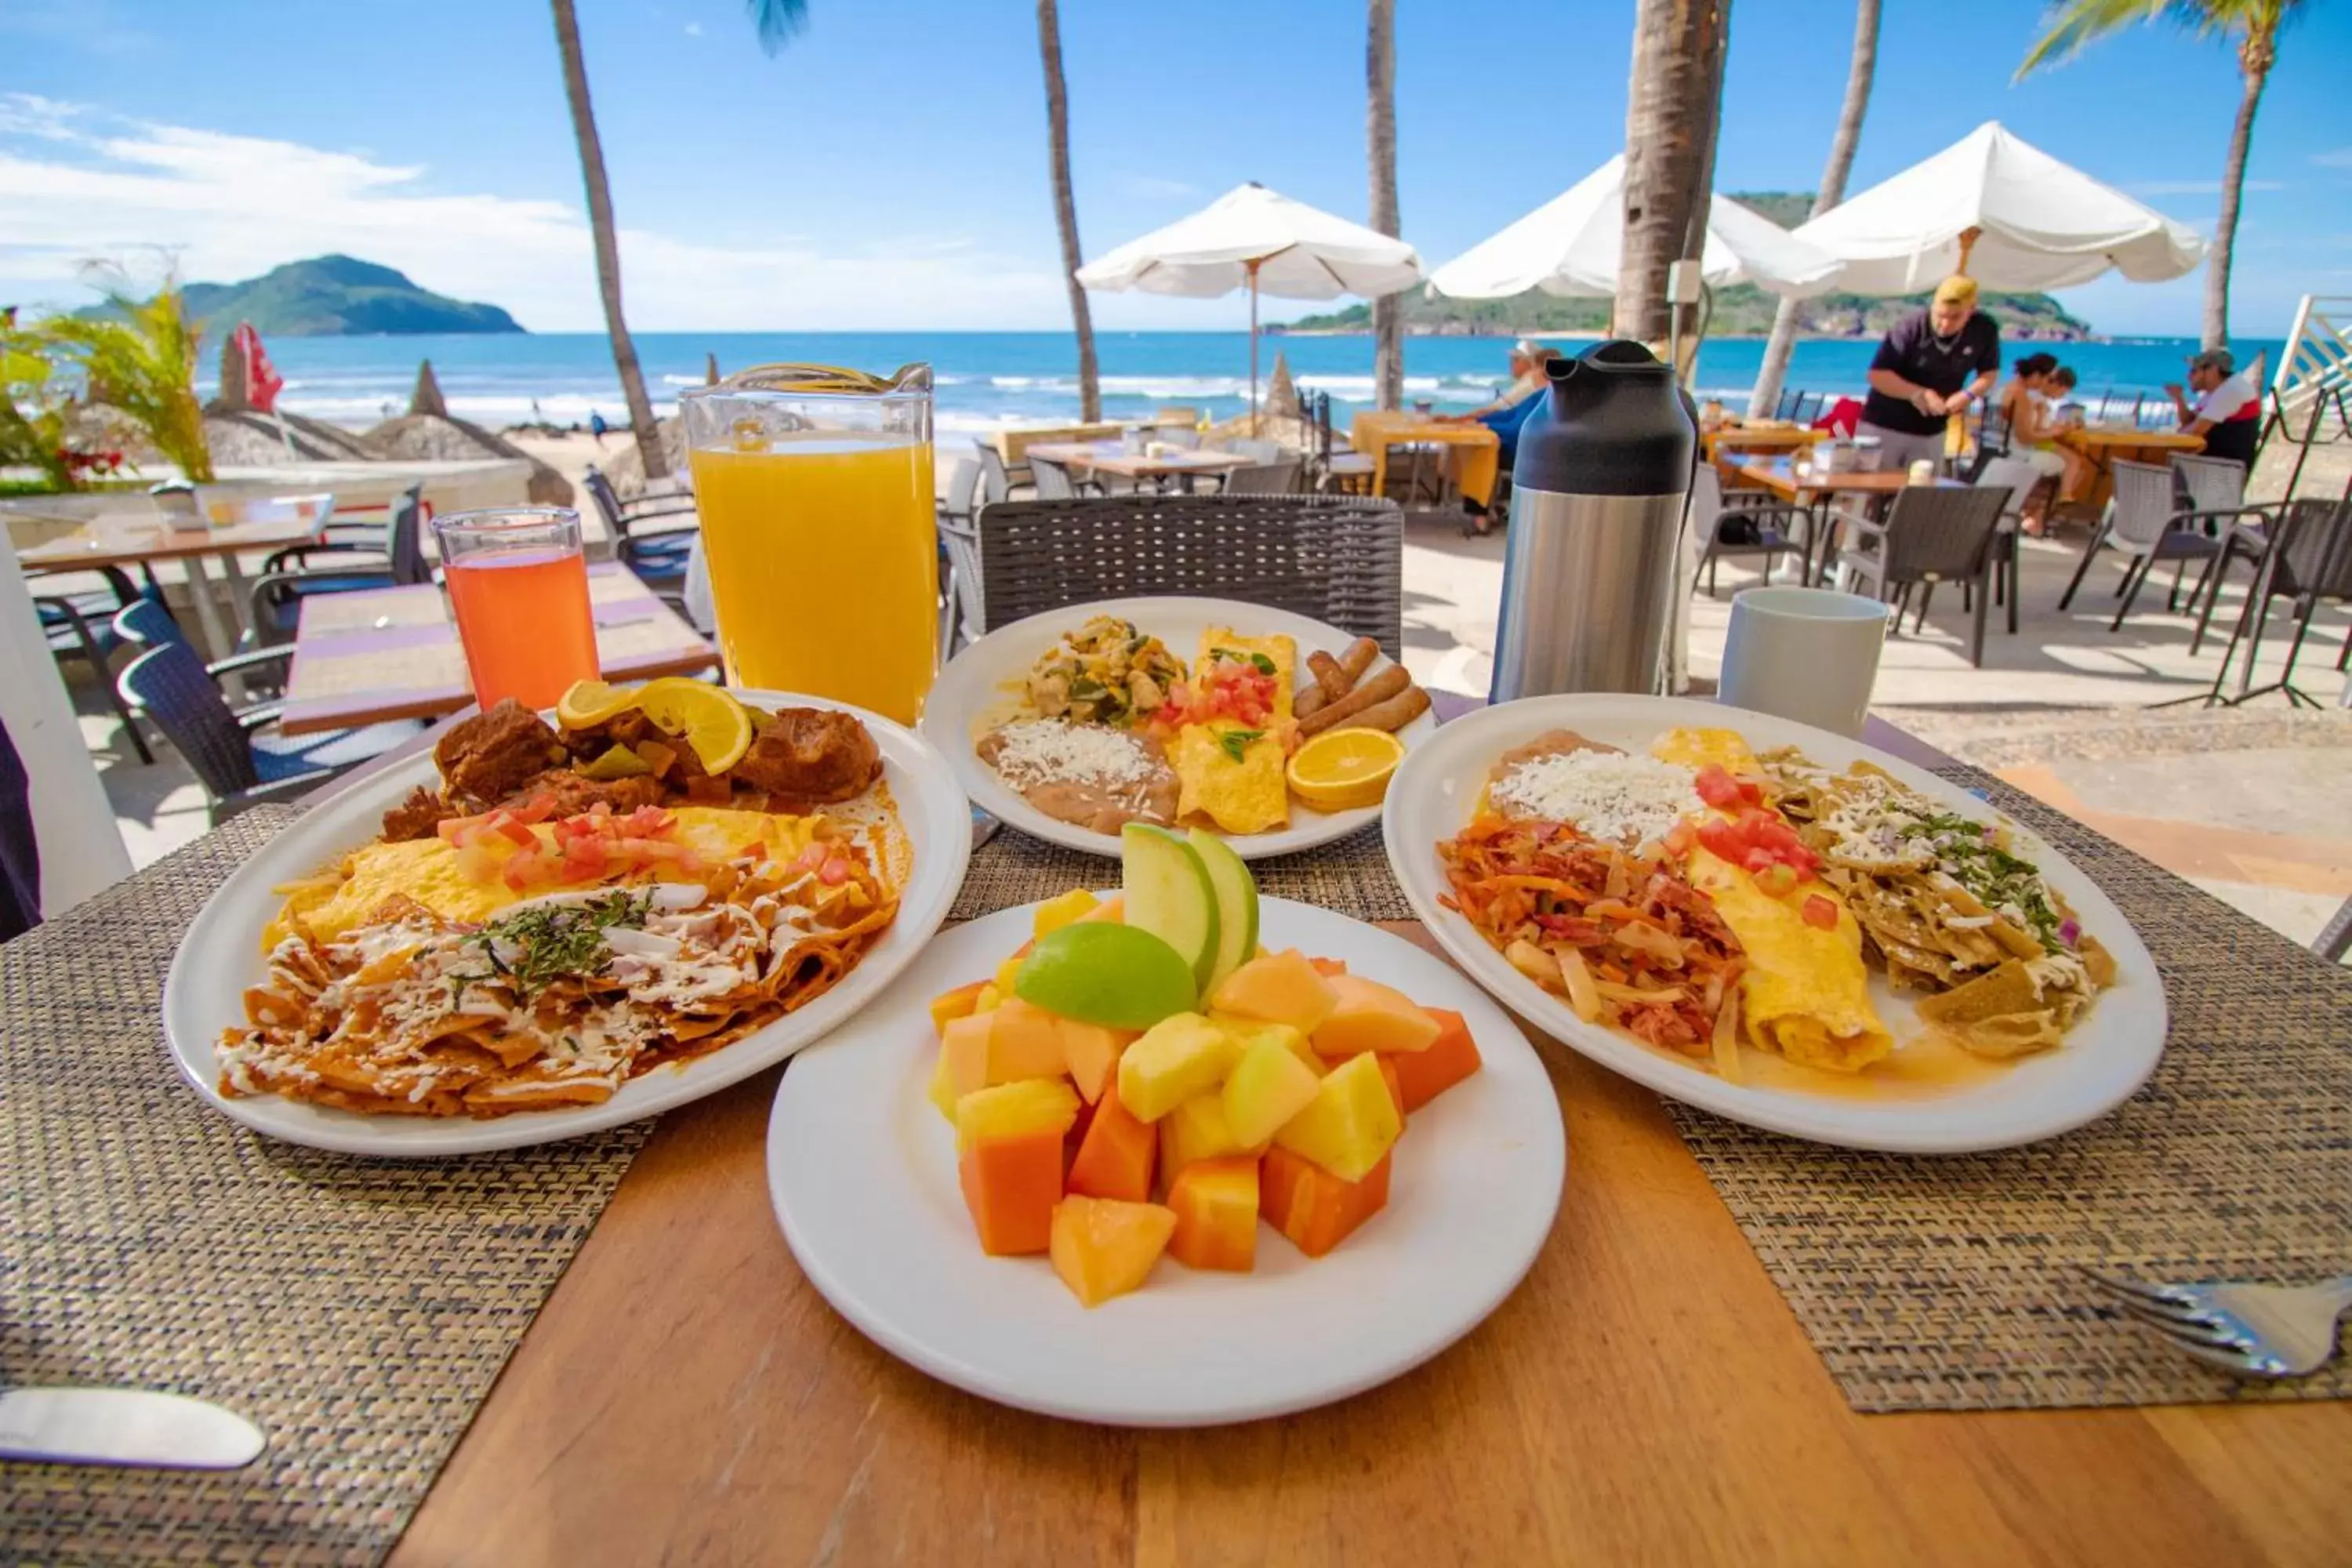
x: 2253, y: 1330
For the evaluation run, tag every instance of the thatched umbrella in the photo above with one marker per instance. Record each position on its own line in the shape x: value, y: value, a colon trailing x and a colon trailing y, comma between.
x: 426, y: 398
x: 709, y: 370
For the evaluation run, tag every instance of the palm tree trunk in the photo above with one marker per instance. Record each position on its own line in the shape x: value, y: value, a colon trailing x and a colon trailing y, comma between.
x: 608, y: 250
x: 1066, y: 208
x: 2255, y: 57
x: 1379, y: 90
x: 1715, y: 43
x: 1859, y: 74
x: 1666, y: 116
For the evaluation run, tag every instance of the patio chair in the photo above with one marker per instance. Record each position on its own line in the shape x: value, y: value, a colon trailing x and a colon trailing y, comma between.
x: 1052, y: 480
x: 1786, y: 407
x: 963, y: 497
x: 2019, y: 478
x: 1185, y: 437
x: 305, y: 571
x: 2334, y: 939
x: 1336, y: 465
x: 2143, y: 522
x: 2309, y: 559
x: 1769, y: 529
x: 80, y: 626
x: 1274, y: 479
x: 1808, y: 408
x: 1336, y: 559
x: 658, y: 557
x: 238, y: 764
x: 1931, y: 535
x: 1992, y: 441
x: 145, y: 623
x: 996, y: 481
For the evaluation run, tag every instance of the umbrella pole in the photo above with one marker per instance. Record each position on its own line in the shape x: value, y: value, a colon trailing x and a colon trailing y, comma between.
x: 1253, y: 278
x: 1969, y: 238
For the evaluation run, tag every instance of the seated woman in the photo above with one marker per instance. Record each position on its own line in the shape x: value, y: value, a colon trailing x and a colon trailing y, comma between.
x: 1504, y: 417
x: 2026, y: 403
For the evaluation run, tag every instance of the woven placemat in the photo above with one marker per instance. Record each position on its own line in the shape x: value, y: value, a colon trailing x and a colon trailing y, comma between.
x: 1948, y: 1283
x: 1350, y: 877
x: 357, y: 1310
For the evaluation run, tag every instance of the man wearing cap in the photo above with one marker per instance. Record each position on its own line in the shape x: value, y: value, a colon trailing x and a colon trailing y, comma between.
x: 2228, y: 412
x: 1932, y: 364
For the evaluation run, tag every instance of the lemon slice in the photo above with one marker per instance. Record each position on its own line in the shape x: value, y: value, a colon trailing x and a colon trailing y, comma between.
x: 592, y: 702
x: 1342, y: 770
x: 718, y: 727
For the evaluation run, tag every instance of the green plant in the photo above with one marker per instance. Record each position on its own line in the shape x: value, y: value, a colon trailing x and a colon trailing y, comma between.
x: 32, y: 426
x: 142, y: 359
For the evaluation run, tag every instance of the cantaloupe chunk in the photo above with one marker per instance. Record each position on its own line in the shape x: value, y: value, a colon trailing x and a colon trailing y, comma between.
x: 1350, y: 1124
x: 1280, y: 988
x: 1450, y: 1058
x: 1315, y: 1209
x: 1328, y: 967
x: 1175, y: 1060
x: 1396, y: 1084
x: 1118, y: 1156
x: 963, y: 1054
x: 1055, y: 913
x: 1024, y: 1041
x: 1367, y: 1015
x: 1197, y: 1129
x: 1103, y: 1248
x: 1091, y: 1053
x: 1266, y: 1088
x: 949, y: 1006
x: 1215, y: 1203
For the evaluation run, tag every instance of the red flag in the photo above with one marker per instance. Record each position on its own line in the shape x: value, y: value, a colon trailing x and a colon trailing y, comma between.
x: 261, y: 381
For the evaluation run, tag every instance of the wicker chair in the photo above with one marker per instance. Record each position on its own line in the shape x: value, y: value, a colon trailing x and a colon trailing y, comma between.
x: 305, y: 571
x: 77, y: 626
x: 2144, y: 522
x: 1931, y: 535
x: 1768, y: 530
x: 658, y: 558
x: 1336, y: 558
x: 2309, y: 559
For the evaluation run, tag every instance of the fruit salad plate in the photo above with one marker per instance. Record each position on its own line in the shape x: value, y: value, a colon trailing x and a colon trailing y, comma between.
x: 987, y: 686
x: 865, y: 1176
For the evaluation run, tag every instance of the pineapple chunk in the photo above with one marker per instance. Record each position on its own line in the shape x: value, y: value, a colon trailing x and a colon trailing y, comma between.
x: 1178, y: 1058
x: 1250, y: 1031
x: 1266, y: 1088
x: 1197, y: 1129
x: 1055, y: 913
x: 1350, y: 1124
x: 1018, y: 1109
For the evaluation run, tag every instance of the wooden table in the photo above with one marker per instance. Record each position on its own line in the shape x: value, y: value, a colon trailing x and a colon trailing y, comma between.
x: 393, y: 653
x: 136, y: 533
x: 2101, y: 445
x: 1771, y: 438
x: 1646, y: 1397
x: 1815, y: 490
x: 1182, y: 464
x: 1476, y: 452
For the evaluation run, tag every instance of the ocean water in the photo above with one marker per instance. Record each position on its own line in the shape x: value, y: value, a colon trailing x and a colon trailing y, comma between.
x: 986, y: 379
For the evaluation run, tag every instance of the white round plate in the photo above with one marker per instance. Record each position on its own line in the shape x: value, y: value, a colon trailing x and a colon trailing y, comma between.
x: 221, y: 955
x: 863, y: 1173
x: 2107, y: 1056
x: 975, y: 681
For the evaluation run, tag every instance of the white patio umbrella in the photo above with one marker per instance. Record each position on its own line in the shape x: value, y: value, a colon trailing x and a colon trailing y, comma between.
x: 1569, y: 246
x: 1261, y: 241
x: 2004, y: 213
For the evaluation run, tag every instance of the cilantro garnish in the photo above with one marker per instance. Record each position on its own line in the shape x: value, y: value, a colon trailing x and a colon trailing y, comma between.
x: 1235, y: 742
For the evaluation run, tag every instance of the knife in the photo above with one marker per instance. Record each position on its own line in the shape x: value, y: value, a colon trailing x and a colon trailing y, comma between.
x: 124, y: 1427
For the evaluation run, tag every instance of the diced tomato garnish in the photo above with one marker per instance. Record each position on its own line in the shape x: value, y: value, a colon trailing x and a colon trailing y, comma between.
x: 1819, y: 912
x: 755, y: 850
x: 524, y: 868
x: 537, y: 809
x: 644, y: 822
x: 1716, y: 786
x: 1680, y: 837
x: 584, y: 859
x: 834, y: 872
x: 512, y: 831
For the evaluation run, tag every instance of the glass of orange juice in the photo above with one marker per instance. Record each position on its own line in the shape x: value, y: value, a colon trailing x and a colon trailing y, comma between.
x: 814, y: 490
x: 518, y: 586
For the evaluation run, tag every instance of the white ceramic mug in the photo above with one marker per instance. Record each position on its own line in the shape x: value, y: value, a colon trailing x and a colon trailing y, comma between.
x: 1806, y: 654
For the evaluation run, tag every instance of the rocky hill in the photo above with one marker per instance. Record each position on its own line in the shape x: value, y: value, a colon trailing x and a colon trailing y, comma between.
x: 332, y: 296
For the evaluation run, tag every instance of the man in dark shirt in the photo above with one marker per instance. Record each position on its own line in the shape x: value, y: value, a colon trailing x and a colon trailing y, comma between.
x: 1932, y: 364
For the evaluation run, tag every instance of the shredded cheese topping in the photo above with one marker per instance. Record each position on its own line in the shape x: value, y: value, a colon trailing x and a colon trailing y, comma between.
x: 1613, y: 797
x: 1045, y: 750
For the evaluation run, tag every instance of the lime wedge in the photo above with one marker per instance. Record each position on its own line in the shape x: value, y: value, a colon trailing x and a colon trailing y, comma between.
x: 1101, y: 973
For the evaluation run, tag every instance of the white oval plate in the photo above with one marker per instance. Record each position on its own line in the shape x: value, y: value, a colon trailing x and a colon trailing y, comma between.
x: 974, y: 682
x: 221, y: 955
x: 863, y: 1173
x: 2107, y: 1056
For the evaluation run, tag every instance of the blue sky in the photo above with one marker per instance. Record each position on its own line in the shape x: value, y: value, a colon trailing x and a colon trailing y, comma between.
x: 888, y: 169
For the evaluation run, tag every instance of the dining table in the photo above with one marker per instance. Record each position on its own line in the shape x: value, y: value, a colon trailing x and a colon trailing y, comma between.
x: 2101, y: 445
x: 1768, y: 436
x: 374, y: 654
x: 1817, y: 488
x: 1182, y: 464
x: 1474, y: 453
x: 1667, y: 1385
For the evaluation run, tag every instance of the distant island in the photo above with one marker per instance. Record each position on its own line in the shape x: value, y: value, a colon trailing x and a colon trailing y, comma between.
x: 1741, y: 309
x: 335, y: 296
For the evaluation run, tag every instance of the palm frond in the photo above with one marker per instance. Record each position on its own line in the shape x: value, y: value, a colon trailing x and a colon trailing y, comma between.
x: 2077, y: 25
x: 143, y: 360
x: 777, y: 22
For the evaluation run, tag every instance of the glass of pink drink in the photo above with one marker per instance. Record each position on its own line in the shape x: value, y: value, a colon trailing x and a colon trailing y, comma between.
x: 518, y: 587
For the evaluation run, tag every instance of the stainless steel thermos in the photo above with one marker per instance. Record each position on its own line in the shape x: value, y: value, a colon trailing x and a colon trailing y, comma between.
x: 1596, y: 498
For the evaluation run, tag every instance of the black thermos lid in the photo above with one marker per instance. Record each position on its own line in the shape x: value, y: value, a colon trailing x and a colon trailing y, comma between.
x: 1615, y: 422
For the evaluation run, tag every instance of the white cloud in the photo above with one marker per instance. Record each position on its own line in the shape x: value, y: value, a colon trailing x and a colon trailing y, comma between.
x: 693, y: 29
x: 2196, y: 188
x: 232, y: 206
x: 2335, y: 158
x: 1154, y: 187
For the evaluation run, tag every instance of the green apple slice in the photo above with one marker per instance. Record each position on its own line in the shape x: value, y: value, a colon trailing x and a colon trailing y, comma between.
x: 1237, y: 891
x: 1169, y: 895
x: 1100, y: 972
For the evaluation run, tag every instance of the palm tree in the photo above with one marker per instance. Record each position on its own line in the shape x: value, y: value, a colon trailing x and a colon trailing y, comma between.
x: 1859, y: 73
x: 1065, y: 207
x: 1669, y: 124
x: 2255, y: 26
x: 775, y: 21
x: 1380, y: 83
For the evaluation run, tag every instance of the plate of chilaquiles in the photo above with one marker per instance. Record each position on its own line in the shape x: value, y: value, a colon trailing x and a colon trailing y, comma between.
x: 557, y: 922
x: 1276, y: 732
x: 1776, y: 924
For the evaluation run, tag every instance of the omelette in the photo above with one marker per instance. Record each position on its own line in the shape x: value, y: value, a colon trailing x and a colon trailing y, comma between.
x: 1230, y: 773
x: 428, y: 871
x: 1806, y: 994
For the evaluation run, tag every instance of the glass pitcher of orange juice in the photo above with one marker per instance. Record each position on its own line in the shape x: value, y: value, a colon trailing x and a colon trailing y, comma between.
x: 815, y: 494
